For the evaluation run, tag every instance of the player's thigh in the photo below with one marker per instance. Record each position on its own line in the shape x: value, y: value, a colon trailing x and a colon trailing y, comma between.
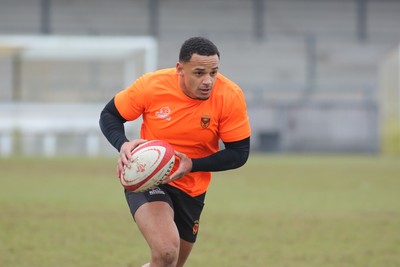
x: 184, y: 252
x: 156, y: 222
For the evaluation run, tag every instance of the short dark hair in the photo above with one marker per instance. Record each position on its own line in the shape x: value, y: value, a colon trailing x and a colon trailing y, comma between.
x: 197, y: 45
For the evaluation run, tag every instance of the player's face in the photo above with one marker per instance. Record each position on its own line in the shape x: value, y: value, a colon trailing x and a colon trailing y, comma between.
x: 197, y: 77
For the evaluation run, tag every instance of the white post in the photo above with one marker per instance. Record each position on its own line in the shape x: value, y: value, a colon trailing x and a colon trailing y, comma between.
x: 398, y: 94
x: 92, y: 144
x: 49, y: 144
x: 6, y: 144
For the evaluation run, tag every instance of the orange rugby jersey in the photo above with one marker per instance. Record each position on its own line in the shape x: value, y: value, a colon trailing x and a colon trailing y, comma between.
x: 191, y: 126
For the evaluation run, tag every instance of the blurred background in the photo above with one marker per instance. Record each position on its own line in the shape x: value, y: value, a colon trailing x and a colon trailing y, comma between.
x: 318, y: 75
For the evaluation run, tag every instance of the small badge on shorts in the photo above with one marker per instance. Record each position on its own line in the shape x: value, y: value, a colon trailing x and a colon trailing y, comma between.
x: 205, y: 121
x: 195, y: 227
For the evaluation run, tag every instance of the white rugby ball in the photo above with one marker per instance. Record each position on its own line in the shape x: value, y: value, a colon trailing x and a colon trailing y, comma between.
x: 151, y: 163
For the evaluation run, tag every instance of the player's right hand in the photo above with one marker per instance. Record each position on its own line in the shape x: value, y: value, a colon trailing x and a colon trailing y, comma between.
x: 125, y: 156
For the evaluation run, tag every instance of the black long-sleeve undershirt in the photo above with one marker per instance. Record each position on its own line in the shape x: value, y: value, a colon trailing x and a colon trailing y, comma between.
x: 233, y: 156
x: 112, y: 125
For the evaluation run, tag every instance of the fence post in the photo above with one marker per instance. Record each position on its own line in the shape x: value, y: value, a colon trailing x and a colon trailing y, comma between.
x: 45, y: 17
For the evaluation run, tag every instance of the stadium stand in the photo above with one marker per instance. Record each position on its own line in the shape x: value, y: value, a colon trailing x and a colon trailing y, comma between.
x: 310, y: 56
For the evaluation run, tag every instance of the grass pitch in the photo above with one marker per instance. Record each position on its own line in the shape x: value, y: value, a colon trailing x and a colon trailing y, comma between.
x: 280, y: 211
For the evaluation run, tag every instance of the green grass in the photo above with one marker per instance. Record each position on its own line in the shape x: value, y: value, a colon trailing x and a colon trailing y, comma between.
x: 280, y: 211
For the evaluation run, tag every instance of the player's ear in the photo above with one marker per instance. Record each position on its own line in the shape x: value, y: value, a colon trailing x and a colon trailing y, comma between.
x: 179, y: 68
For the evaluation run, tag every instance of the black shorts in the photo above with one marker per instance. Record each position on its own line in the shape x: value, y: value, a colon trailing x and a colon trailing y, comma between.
x: 187, y: 209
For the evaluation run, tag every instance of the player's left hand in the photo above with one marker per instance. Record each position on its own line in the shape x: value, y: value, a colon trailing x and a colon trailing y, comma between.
x: 185, y: 166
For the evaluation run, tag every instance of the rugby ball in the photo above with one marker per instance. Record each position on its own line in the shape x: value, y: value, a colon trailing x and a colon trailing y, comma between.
x: 151, y: 163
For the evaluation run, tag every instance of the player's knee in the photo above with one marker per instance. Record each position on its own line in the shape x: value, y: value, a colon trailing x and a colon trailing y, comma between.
x: 167, y: 256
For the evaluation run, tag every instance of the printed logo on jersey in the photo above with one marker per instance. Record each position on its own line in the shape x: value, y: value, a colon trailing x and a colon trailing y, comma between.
x: 205, y: 121
x: 164, y: 113
x: 195, y: 227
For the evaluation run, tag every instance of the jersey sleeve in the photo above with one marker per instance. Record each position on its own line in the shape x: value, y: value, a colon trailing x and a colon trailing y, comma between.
x: 234, y: 124
x: 130, y: 102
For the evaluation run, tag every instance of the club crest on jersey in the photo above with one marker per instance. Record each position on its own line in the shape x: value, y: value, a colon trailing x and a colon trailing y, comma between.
x: 205, y: 121
x: 164, y: 113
